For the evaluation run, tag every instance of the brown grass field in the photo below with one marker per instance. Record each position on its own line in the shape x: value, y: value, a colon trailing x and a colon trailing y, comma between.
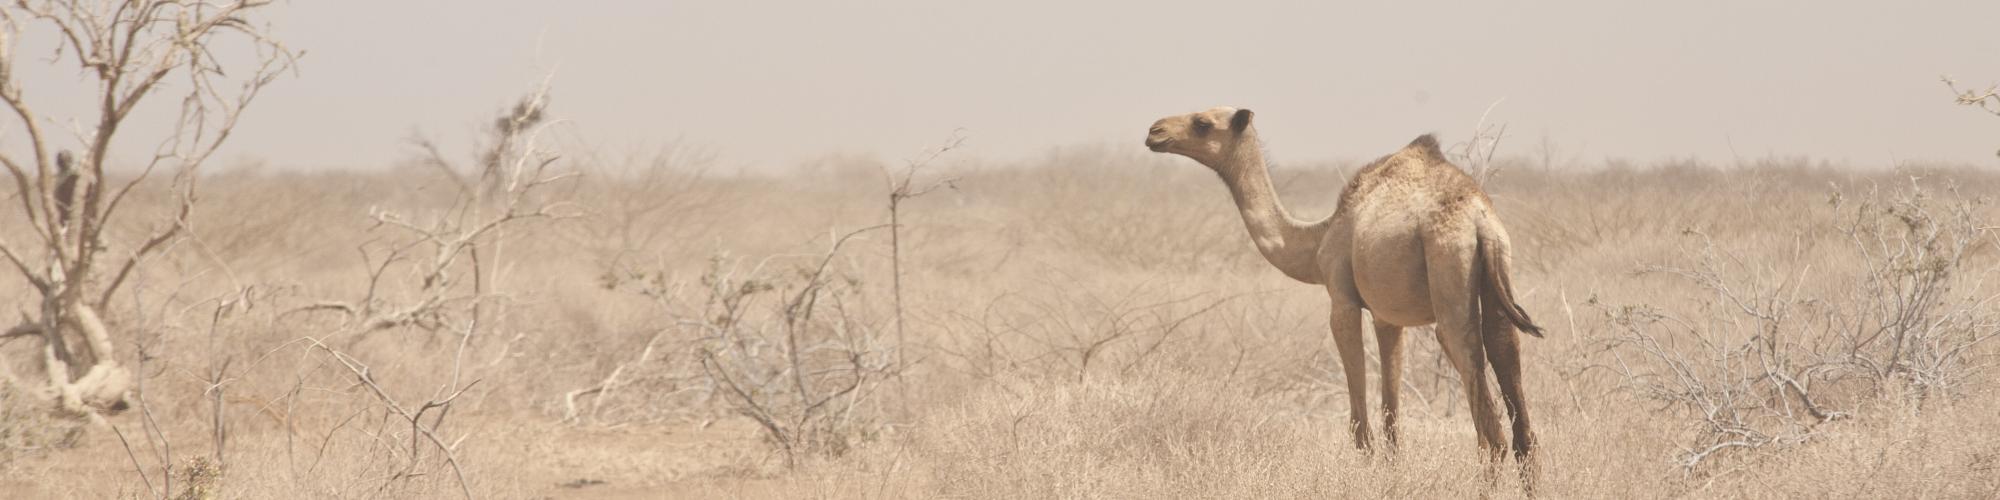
x: 1090, y: 324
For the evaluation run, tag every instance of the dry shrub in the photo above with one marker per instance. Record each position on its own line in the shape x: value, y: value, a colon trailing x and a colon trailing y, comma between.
x: 1923, y: 306
x: 1768, y: 351
x: 797, y: 351
x: 805, y: 364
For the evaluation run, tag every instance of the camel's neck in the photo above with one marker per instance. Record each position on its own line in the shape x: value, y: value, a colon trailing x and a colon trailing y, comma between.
x: 1289, y: 244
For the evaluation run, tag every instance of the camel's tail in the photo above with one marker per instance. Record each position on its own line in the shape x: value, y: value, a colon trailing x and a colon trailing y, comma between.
x: 1500, y: 287
x: 1499, y: 310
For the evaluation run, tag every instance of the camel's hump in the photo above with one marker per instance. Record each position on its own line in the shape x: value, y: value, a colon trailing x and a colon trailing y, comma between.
x: 1428, y: 144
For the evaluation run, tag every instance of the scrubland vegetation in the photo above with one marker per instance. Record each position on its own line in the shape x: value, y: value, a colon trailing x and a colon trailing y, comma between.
x: 1089, y: 324
x: 513, y: 319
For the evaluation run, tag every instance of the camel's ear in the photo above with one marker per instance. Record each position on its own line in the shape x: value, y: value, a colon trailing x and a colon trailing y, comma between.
x: 1241, y: 121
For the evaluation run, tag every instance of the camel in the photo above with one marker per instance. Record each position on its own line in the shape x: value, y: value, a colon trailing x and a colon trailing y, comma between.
x: 1414, y: 241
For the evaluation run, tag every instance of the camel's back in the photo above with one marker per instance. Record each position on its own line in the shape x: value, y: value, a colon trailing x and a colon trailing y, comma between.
x: 1416, y: 181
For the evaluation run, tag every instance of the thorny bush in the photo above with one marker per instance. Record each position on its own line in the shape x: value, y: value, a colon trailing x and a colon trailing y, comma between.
x: 798, y: 352
x: 1770, y: 352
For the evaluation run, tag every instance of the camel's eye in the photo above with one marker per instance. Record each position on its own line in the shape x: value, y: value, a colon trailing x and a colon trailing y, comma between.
x: 1202, y: 125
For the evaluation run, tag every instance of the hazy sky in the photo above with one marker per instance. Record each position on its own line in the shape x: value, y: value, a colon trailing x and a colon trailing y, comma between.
x: 773, y: 83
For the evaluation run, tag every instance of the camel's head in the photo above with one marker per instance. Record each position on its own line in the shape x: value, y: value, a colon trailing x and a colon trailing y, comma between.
x: 1206, y: 136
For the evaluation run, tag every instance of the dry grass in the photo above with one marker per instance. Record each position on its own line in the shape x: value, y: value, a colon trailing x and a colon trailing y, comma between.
x: 1093, y: 324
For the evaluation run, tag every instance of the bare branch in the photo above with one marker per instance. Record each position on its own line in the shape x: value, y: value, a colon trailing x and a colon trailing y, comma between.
x: 1987, y: 99
x: 173, y: 229
x: 364, y: 377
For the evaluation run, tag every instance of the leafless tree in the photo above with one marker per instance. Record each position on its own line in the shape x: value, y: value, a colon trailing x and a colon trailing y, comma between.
x: 903, y: 187
x: 441, y: 252
x: 216, y: 58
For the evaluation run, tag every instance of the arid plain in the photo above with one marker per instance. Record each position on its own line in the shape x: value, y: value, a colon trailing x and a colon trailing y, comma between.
x: 1091, y: 323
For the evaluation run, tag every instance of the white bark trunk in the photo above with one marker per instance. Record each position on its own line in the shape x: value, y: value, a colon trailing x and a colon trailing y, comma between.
x: 106, y: 384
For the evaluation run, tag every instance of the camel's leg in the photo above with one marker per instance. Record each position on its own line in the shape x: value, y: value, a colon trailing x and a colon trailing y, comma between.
x: 1346, y: 325
x: 1468, y: 358
x: 1389, y: 340
x: 1450, y: 261
x: 1503, y: 348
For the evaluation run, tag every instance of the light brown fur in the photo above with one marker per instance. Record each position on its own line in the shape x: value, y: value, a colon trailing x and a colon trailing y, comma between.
x: 1414, y: 242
